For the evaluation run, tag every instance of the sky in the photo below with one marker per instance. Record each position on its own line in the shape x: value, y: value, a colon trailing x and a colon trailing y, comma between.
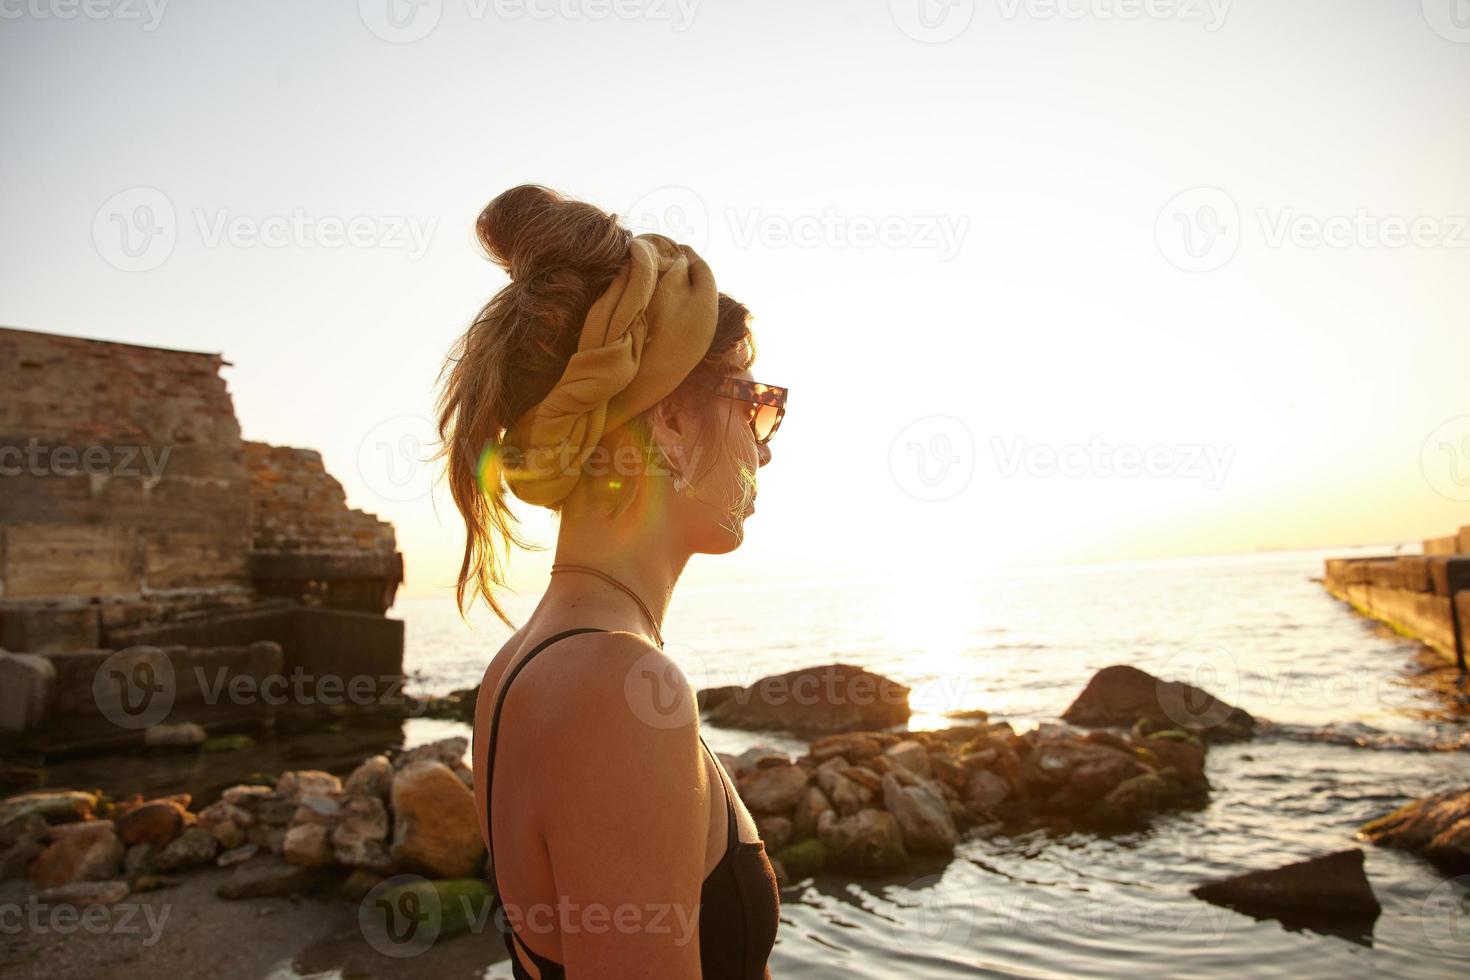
x: 1048, y: 280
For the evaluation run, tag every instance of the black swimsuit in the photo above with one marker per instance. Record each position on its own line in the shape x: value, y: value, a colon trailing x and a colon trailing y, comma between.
x: 739, y: 904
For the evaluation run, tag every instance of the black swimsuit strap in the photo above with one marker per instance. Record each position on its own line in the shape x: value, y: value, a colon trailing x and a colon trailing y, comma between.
x: 490, y: 773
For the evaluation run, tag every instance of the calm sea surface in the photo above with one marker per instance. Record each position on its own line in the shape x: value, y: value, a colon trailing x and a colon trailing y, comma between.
x: 1254, y: 630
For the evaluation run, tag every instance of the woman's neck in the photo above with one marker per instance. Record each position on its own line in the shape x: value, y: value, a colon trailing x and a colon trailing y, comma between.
x: 639, y: 554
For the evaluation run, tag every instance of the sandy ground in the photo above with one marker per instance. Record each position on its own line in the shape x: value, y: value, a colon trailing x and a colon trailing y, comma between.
x: 185, y: 931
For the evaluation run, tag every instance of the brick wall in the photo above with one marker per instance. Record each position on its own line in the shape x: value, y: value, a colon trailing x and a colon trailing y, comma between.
x: 121, y: 470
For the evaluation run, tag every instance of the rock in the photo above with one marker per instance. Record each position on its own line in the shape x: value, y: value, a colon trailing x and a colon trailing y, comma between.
x: 922, y: 815
x: 16, y: 860
x: 985, y: 790
x: 773, y: 790
x: 852, y: 746
x: 436, y: 825
x: 292, y: 786
x: 55, y: 806
x: 868, y: 842
x: 710, y: 697
x: 155, y: 822
x: 1332, y: 887
x: 373, y: 778
x: 247, y: 796
x: 1185, y: 756
x: 975, y: 714
x: 947, y: 771
x: 27, y: 683
x: 22, y: 827
x: 237, y: 855
x: 323, y: 810
x: 1132, y: 801
x: 86, y: 893
x: 268, y: 877
x: 809, y: 810
x: 911, y: 755
x: 309, y: 845
x: 195, y: 847
x: 276, y: 812
x: 817, y: 700
x: 779, y: 870
x: 1121, y: 695
x: 270, y: 838
x: 185, y: 735
x: 141, y: 859
x: 804, y: 859
x: 775, y: 831
x: 360, y: 839
x: 227, y: 822
x: 449, y: 751
x: 87, y: 851
x: 1436, y: 827
x: 758, y: 757
x: 846, y: 795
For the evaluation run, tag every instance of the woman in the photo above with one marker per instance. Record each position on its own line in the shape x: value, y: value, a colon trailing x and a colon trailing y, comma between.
x: 610, y: 382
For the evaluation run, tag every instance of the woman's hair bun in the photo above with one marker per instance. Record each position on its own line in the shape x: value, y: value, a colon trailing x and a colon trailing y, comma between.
x: 530, y: 229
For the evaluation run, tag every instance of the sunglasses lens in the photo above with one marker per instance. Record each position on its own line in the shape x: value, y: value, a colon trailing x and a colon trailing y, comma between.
x: 766, y: 417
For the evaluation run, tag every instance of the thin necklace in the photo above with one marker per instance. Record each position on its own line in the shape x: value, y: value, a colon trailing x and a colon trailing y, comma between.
x: 657, y: 634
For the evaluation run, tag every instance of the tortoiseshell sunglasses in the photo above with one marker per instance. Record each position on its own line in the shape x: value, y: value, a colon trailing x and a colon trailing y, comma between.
x: 767, y: 403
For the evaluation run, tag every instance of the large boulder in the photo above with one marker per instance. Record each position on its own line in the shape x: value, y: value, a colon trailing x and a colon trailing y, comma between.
x: 868, y: 842
x: 923, y: 815
x: 436, y: 826
x: 1122, y: 695
x: 1436, y: 827
x: 156, y: 822
x: 1328, y: 891
x: 86, y: 851
x: 816, y: 700
x: 774, y: 789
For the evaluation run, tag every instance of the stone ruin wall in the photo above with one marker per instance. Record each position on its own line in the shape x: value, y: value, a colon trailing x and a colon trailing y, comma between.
x: 127, y: 498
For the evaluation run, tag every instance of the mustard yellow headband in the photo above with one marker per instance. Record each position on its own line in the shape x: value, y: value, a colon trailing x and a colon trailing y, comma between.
x: 641, y: 338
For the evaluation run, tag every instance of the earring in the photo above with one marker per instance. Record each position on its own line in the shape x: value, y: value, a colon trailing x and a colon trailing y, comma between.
x: 678, y: 483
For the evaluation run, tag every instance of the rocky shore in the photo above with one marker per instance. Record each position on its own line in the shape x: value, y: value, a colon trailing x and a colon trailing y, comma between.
x: 860, y: 802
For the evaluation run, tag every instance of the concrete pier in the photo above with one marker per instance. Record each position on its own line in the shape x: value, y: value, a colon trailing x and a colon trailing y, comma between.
x: 1426, y: 597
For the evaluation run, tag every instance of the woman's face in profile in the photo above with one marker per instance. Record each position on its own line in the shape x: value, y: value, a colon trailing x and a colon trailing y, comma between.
x: 720, y: 454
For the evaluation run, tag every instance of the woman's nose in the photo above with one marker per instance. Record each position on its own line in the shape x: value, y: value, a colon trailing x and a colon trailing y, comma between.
x: 763, y: 453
